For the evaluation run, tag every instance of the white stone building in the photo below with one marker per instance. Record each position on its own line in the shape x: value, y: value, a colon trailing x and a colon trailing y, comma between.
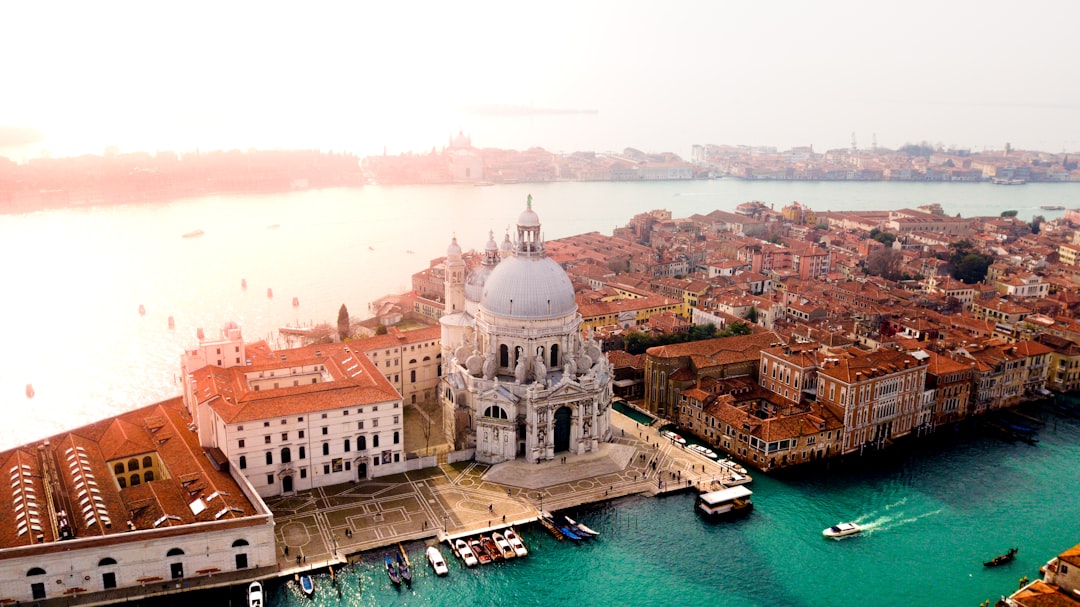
x: 518, y: 379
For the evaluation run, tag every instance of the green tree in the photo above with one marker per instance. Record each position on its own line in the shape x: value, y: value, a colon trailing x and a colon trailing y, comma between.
x: 343, y: 322
x: 973, y: 267
x: 752, y: 315
x: 735, y: 328
x: 1036, y: 223
x: 1009, y: 213
x: 885, y: 238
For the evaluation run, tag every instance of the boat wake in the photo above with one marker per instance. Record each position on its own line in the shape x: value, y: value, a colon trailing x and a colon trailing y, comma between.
x: 885, y: 523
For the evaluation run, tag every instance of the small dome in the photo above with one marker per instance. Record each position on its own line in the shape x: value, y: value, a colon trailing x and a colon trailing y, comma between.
x: 528, y: 287
x: 506, y: 246
x: 528, y: 219
x: 491, y: 246
x: 454, y: 249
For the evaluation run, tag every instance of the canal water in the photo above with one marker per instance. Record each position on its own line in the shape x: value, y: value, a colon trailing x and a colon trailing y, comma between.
x: 932, y: 514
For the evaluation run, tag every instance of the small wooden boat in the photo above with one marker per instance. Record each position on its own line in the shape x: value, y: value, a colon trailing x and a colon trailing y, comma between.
x: 564, y: 528
x: 480, y: 552
x: 404, y: 571
x: 307, y: 586
x: 466, y: 553
x: 504, y: 545
x: 491, y: 547
x: 841, y: 530
x: 392, y: 572
x: 255, y: 595
x: 587, y: 531
x: 552, y: 529
x: 515, y: 542
x: 1001, y: 559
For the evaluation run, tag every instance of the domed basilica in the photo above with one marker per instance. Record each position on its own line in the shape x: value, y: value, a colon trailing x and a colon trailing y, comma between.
x: 519, y: 379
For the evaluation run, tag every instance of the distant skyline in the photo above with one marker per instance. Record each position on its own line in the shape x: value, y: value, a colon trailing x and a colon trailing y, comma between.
x: 565, y: 76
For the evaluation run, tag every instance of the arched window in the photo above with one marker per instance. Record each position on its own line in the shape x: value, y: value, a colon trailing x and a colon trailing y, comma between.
x: 554, y: 356
x: 286, y: 455
x: 375, y: 441
x: 175, y: 552
x: 496, y: 412
x: 148, y: 476
x: 118, y: 468
x: 133, y: 464
x: 35, y: 571
x: 106, y: 561
x: 269, y: 457
x: 361, y: 443
x: 239, y: 543
x: 412, y: 362
x: 134, y: 480
x: 504, y: 356
x: 147, y: 462
x: 122, y: 481
x: 427, y: 358
x: 326, y: 448
x: 397, y: 437
x: 243, y: 462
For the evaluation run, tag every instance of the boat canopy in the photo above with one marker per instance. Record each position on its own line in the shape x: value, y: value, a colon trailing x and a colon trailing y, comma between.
x: 725, y: 495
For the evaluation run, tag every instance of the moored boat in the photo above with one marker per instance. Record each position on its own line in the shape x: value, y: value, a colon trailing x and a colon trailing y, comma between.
x: 515, y: 542
x: 503, y: 545
x: 392, y: 572
x: 1052, y: 207
x: 307, y: 585
x: 731, y: 465
x: 255, y: 595
x: 1001, y: 559
x: 841, y: 530
x: 707, y: 452
x: 491, y: 548
x: 435, y: 558
x: 404, y: 571
x: 481, y: 553
x: 586, y: 530
x: 732, y: 501
x: 466, y: 553
x: 675, y: 438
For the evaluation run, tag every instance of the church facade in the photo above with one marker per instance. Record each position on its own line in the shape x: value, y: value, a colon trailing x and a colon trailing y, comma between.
x: 519, y: 379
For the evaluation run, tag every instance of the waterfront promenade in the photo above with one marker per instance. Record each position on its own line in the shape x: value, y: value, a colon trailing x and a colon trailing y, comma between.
x: 336, y: 524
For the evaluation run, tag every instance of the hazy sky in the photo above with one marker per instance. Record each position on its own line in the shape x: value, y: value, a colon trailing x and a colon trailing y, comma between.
x: 660, y: 76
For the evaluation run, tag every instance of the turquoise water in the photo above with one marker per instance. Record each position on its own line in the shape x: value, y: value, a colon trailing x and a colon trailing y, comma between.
x: 931, y: 519
x: 632, y: 413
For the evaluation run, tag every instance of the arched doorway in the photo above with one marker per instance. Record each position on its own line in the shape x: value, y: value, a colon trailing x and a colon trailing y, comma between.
x: 562, y: 429
x: 286, y: 484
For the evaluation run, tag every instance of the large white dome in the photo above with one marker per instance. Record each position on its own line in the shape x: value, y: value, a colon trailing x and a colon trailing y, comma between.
x: 528, y: 287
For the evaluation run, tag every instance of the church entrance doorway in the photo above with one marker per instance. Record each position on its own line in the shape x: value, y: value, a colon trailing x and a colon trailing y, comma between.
x: 562, y: 429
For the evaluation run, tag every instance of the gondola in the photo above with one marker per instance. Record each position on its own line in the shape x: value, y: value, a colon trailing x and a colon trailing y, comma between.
x: 1001, y: 559
x: 404, y: 572
x: 392, y: 572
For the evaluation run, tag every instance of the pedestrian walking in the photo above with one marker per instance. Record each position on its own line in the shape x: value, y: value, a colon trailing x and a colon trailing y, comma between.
x: 491, y: 507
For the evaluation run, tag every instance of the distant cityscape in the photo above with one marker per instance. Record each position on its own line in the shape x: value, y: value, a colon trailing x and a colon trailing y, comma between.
x: 144, y: 176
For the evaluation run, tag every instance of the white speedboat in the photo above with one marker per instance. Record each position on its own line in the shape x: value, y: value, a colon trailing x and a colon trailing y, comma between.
x: 255, y: 596
x: 515, y: 542
x: 437, y: 563
x: 731, y: 465
x: 841, y: 530
x: 503, y: 545
x: 466, y: 553
x: 707, y: 452
x: 673, y: 437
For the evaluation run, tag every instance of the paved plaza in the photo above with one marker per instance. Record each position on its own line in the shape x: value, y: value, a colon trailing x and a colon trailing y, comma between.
x: 329, y: 524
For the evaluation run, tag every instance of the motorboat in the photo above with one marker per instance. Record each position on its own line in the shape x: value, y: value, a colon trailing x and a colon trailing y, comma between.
x: 707, y: 452
x: 587, y: 531
x: 437, y: 563
x: 255, y: 595
x: 736, y: 479
x: 668, y: 434
x: 307, y: 586
x: 503, y: 545
x: 481, y: 553
x: 465, y: 553
x: 1001, y: 559
x: 1052, y: 207
x: 491, y: 547
x: 392, y: 572
x: 515, y: 542
x: 731, y: 465
x: 841, y: 530
x: 729, y: 502
x: 404, y: 571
